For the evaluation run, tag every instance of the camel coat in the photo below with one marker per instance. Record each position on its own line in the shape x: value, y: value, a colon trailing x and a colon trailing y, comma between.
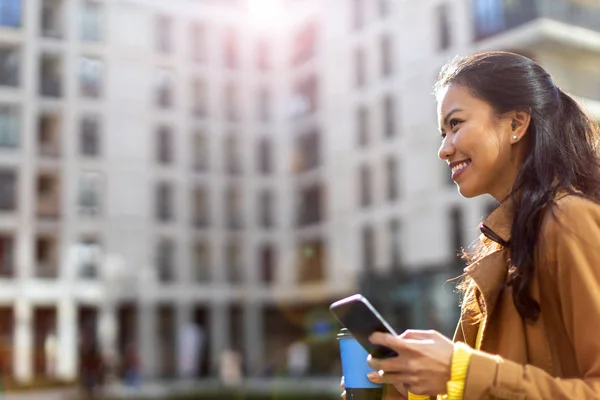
x: 557, y: 356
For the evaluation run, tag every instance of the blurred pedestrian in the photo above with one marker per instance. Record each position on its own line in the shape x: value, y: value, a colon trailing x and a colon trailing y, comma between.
x: 298, y: 358
x: 91, y: 366
x: 131, y: 367
x: 189, y: 343
x: 231, y: 367
x: 531, y: 291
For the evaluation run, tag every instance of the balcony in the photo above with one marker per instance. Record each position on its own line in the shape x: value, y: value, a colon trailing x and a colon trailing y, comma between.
x: 495, y: 17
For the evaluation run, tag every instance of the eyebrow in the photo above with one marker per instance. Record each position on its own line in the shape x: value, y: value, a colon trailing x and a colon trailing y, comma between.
x: 447, y: 117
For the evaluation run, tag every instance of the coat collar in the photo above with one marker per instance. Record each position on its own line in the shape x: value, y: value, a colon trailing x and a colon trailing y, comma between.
x: 499, y: 222
x: 490, y: 273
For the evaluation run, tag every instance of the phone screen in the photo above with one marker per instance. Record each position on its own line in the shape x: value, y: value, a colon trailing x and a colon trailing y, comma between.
x: 362, y: 321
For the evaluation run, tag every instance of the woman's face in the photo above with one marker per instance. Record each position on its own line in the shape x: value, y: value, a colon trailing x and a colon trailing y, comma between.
x: 477, y: 145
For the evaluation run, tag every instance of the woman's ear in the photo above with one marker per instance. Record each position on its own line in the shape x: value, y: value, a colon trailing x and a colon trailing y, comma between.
x: 519, y: 123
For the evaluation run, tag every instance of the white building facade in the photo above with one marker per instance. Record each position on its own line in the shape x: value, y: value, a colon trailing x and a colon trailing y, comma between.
x: 163, y: 163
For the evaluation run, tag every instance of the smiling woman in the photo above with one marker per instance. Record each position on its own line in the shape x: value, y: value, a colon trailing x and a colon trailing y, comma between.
x: 531, y: 302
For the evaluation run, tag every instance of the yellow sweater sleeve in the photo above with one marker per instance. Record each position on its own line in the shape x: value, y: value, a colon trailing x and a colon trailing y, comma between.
x: 460, y: 364
x: 412, y: 396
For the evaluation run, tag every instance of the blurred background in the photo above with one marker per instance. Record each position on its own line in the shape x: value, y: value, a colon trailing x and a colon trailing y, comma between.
x: 186, y: 185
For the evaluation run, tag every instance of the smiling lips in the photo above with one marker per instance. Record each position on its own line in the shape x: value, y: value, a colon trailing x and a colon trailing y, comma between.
x: 458, y: 167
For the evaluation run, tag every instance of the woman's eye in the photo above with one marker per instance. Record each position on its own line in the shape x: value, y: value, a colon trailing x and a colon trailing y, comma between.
x: 454, y: 122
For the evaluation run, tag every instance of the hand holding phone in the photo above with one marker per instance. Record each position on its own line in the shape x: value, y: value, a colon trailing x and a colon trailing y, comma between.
x: 362, y: 319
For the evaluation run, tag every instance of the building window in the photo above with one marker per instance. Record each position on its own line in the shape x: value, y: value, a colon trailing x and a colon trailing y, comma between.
x: 165, y: 88
x: 389, y: 115
x: 90, y: 193
x: 368, y: 247
x: 164, y: 202
x: 360, y: 68
x: 365, y: 186
x: 165, y: 260
x: 201, y: 207
x: 48, y: 195
x: 231, y: 48
x: 91, y: 28
x: 49, y: 129
x: 50, y: 76
x: 7, y: 254
x: 165, y: 145
x: 263, y: 55
x: 91, y: 71
x: 384, y: 7
x: 266, y: 209
x: 10, y: 13
x: 311, y: 261
x: 164, y: 34
x: 391, y: 167
x: 233, y: 208
x: 305, y: 96
x: 233, y: 261
x: 265, y: 156
x: 308, y: 146
x: 199, y: 98
x: 267, y: 262
x: 52, y: 18
x: 198, y: 41
x: 200, y: 151
x: 233, y: 153
x: 362, y: 126
x: 456, y: 231
x: 310, y: 207
x: 46, y: 256
x: 202, y: 261
x: 489, y: 16
x: 232, y: 106
x: 264, y: 104
x: 89, y: 258
x: 10, y: 65
x: 395, y: 243
x: 358, y: 14
x: 304, y: 44
x: 387, y: 56
x: 443, y: 24
x: 89, y: 136
x: 9, y: 126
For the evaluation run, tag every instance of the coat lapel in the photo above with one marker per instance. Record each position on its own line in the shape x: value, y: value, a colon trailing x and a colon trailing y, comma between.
x: 490, y: 273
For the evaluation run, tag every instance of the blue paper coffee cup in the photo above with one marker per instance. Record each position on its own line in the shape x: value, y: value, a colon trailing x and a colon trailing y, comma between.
x: 354, y: 363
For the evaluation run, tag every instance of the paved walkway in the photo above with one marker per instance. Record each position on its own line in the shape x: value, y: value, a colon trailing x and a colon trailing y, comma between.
x: 158, y: 389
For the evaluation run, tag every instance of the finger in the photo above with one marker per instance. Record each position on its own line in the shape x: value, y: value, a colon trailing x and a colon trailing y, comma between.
x: 397, y: 378
x: 343, y: 395
x: 393, y: 364
x: 388, y: 340
x: 418, y: 334
x: 374, y: 377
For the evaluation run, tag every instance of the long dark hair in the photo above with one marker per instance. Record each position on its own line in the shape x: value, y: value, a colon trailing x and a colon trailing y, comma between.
x: 562, y: 151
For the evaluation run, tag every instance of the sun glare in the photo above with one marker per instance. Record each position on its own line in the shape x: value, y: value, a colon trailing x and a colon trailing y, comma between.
x: 266, y: 14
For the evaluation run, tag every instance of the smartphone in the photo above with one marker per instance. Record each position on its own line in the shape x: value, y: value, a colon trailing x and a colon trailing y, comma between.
x: 362, y: 319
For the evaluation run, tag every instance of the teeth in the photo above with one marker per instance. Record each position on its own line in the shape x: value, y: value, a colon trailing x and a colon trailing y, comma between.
x: 459, y: 166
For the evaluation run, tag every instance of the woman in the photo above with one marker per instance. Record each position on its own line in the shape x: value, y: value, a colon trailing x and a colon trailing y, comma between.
x: 531, y: 291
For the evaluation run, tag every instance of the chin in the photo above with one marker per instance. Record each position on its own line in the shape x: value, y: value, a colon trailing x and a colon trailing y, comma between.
x: 468, y: 192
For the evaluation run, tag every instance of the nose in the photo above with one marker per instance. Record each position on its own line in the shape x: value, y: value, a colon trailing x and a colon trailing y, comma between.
x: 446, y: 150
